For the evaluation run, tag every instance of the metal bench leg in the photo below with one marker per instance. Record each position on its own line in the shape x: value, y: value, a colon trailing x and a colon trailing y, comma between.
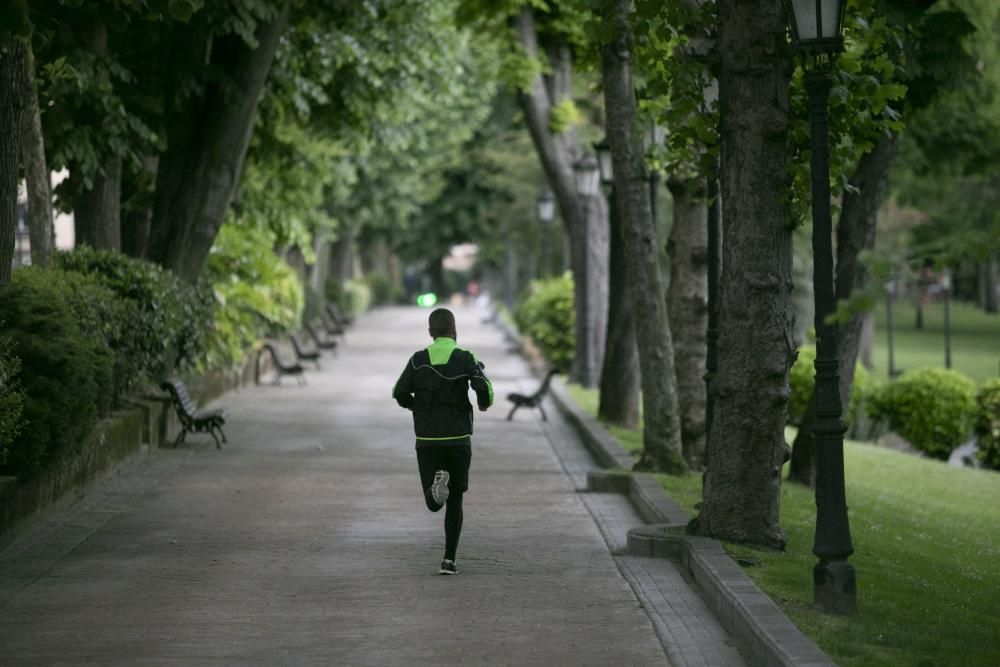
x: 218, y: 445
x: 544, y: 417
x: 222, y: 433
x: 180, y: 437
x: 512, y: 411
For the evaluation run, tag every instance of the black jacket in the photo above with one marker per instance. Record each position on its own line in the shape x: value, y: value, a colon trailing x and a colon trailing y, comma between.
x: 435, y: 386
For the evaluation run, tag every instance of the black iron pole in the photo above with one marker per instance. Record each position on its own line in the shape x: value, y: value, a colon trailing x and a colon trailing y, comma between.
x: 888, y: 325
x: 947, y: 328
x: 834, y: 587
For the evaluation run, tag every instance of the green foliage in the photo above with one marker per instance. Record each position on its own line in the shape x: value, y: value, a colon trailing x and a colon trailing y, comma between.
x: 162, y: 315
x: 353, y: 297
x: 564, y: 116
x: 988, y: 423
x: 11, y: 397
x: 256, y: 293
x: 801, y: 378
x: 61, y: 370
x: 546, y: 314
x: 932, y: 408
x: 384, y: 290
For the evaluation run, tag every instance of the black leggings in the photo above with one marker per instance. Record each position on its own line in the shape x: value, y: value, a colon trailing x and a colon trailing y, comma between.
x: 455, y: 459
x: 452, y: 520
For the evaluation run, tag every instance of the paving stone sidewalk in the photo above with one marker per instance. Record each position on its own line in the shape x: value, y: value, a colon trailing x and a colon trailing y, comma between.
x: 306, y: 541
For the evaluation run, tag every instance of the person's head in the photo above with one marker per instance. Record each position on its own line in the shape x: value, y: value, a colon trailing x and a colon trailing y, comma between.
x: 441, y: 324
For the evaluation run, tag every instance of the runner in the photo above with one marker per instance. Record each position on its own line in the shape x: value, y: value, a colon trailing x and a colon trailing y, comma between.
x: 435, y: 386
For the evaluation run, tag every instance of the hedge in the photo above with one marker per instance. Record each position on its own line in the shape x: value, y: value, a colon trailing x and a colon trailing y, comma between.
x: 546, y: 314
x: 988, y: 423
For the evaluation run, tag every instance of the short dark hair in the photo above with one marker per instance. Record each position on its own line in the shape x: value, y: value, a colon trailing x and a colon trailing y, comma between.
x: 441, y: 323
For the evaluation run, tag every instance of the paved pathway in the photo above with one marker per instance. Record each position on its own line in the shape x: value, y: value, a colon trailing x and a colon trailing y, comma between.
x: 306, y: 541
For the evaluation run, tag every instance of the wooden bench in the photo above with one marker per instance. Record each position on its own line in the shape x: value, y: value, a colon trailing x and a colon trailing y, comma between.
x: 322, y: 342
x: 283, y: 368
x: 341, y: 320
x: 192, y: 419
x: 534, y: 400
x: 303, y: 354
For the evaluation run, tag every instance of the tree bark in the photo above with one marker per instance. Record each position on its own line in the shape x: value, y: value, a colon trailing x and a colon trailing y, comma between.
x: 586, y: 222
x: 855, y: 234
x: 137, y: 208
x: 97, y: 212
x: 41, y: 232
x: 742, y: 485
x: 13, y: 102
x: 662, y: 448
x: 619, y: 396
x: 990, y: 284
x: 321, y: 267
x: 687, y: 300
x: 342, y: 255
x: 207, y: 143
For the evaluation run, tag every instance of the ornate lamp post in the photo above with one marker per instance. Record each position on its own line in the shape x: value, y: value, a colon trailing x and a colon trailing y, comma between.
x: 946, y: 289
x: 586, y: 171
x: 816, y: 34
x: 546, y: 204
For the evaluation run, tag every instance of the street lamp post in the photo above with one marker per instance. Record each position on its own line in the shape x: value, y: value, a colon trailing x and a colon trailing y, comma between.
x: 890, y: 293
x: 946, y: 288
x: 816, y: 34
x: 587, y: 175
x: 546, y: 204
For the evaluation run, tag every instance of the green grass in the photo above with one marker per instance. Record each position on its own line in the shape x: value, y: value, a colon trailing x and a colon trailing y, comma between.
x: 975, y: 340
x: 927, y: 541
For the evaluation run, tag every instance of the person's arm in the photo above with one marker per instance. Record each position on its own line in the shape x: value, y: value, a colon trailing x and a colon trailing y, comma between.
x: 402, y: 391
x: 480, y: 383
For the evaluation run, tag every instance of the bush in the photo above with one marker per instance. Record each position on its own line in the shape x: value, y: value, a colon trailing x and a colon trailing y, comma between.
x: 61, y: 369
x: 546, y: 314
x: 932, y: 408
x: 163, y: 314
x: 384, y: 291
x: 801, y: 378
x: 11, y: 397
x: 988, y: 423
x: 353, y: 297
x: 256, y: 294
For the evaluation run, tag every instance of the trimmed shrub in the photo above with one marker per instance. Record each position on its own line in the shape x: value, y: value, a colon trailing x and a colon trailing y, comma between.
x: 353, y: 297
x: 801, y: 379
x: 546, y: 314
x: 932, y: 408
x: 164, y: 315
x: 11, y: 397
x: 384, y: 291
x: 988, y: 423
x: 61, y: 369
x: 256, y: 293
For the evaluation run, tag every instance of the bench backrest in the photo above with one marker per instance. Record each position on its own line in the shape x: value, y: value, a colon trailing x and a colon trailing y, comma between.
x: 277, y: 357
x: 180, y: 398
x: 545, y: 385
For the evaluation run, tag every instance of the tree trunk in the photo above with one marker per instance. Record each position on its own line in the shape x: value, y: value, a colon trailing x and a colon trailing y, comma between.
x: 990, y: 285
x: 97, y: 212
x: 207, y: 143
x: 687, y: 300
x: 342, y: 260
x: 586, y: 222
x: 321, y: 267
x: 742, y: 485
x: 855, y: 234
x: 13, y: 103
x: 662, y: 448
x: 620, y: 377
x: 41, y: 232
x: 137, y: 208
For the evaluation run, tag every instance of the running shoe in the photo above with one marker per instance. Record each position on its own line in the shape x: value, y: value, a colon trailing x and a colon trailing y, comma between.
x: 439, y: 489
x: 448, y: 567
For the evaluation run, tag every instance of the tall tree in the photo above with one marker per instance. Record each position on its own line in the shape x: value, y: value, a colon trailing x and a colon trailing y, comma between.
x: 618, y: 400
x: 661, y: 422
x: 207, y: 142
x: 13, y: 102
x: 40, y: 230
x: 742, y: 484
x: 558, y: 148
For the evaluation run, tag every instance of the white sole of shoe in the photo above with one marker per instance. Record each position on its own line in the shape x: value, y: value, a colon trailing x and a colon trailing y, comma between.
x: 439, y: 489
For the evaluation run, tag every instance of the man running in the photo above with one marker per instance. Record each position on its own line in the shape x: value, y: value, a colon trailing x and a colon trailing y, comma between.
x: 435, y: 386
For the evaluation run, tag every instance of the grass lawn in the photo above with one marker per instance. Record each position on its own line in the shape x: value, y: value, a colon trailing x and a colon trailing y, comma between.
x: 927, y: 541
x: 975, y: 340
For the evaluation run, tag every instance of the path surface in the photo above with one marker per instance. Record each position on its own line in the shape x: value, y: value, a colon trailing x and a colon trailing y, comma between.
x: 306, y: 541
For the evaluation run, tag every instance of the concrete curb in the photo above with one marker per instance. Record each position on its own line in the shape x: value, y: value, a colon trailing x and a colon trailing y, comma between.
x: 762, y: 631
